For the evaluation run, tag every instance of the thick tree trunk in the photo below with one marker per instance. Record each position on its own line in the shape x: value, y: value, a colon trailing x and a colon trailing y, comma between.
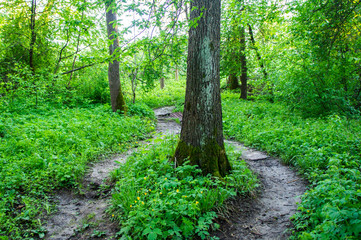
x: 33, y: 35
x: 201, y: 139
x: 243, y: 60
x: 116, y: 95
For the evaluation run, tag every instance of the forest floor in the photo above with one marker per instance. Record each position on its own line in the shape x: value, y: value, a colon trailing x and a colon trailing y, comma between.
x: 266, y: 215
x: 82, y: 215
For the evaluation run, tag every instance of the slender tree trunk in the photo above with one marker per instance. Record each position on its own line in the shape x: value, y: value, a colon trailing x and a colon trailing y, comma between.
x: 186, y: 11
x: 264, y: 71
x: 71, y: 74
x: 57, y: 66
x: 116, y: 95
x: 259, y: 58
x: 176, y: 73
x: 243, y: 60
x: 201, y: 139
x: 76, y: 51
x: 33, y: 35
x: 134, y: 75
x: 161, y: 83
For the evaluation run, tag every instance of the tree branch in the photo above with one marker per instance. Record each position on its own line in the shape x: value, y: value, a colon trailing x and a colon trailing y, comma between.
x: 80, y: 68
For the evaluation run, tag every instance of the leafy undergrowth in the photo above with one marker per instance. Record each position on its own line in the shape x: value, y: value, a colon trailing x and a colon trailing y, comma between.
x: 46, y: 149
x: 326, y: 150
x: 172, y: 94
x: 154, y: 200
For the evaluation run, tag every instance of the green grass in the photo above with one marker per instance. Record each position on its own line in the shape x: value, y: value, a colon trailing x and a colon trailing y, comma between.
x: 46, y: 149
x: 326, y: 150
x: 154, y: 200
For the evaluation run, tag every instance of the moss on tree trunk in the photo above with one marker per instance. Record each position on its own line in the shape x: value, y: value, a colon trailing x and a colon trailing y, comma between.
x: 210, y: 157
x: 201, y: 139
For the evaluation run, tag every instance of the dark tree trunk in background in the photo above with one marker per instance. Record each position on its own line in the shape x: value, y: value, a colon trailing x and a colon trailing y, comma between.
x: 161, y: 82
x: 116, y: 95
x: 33, y: 35
x: 201, y: 139
x: 243, y: 60
x: 233, y: 81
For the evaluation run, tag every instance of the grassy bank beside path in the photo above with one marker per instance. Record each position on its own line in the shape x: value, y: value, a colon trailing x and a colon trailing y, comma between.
x: 326, y: 150
x: 46, y: 149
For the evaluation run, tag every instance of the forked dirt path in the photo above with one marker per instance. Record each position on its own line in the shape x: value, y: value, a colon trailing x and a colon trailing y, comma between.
x: 83, y: 216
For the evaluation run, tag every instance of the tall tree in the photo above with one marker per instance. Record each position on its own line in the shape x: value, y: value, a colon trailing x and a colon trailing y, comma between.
x: 235, y: 61
x: 243, y: 61
x: 116, y: 95
x: 201, y: 139
x: 259, y: 58
x: 33, y: 34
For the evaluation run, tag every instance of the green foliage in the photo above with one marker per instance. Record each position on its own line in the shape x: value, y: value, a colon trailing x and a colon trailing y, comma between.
x: 140, y: 109
x: 25, y: 88
x: 332, y: 210
x: 154, y: 200
x: 92, y: 84
x: 326, y: 150
x: 241, y: 177
x: 46, y: 149
x: 321, y: 66
x: 173, y: 93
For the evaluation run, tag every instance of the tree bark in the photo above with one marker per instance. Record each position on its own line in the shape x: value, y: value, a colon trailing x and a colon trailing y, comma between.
x: 116, y: 95
x: 161, y: 83
x: 201, y: 139
x: 243, y: 60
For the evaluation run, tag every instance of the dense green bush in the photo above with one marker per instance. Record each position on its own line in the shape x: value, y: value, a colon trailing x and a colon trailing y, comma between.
x: 154, y: 200
x: 92, y: 84
x: 140, y: 109
x: 46, y: 149
x: 326, y: 150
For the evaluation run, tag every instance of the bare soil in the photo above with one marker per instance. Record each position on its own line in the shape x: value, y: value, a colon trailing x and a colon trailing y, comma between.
x: 82, y: 215
x: 267, y: 215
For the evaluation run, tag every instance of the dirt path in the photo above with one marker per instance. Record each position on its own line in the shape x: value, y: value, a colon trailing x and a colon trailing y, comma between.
x: 83, y: 216
x: 268, y: 215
